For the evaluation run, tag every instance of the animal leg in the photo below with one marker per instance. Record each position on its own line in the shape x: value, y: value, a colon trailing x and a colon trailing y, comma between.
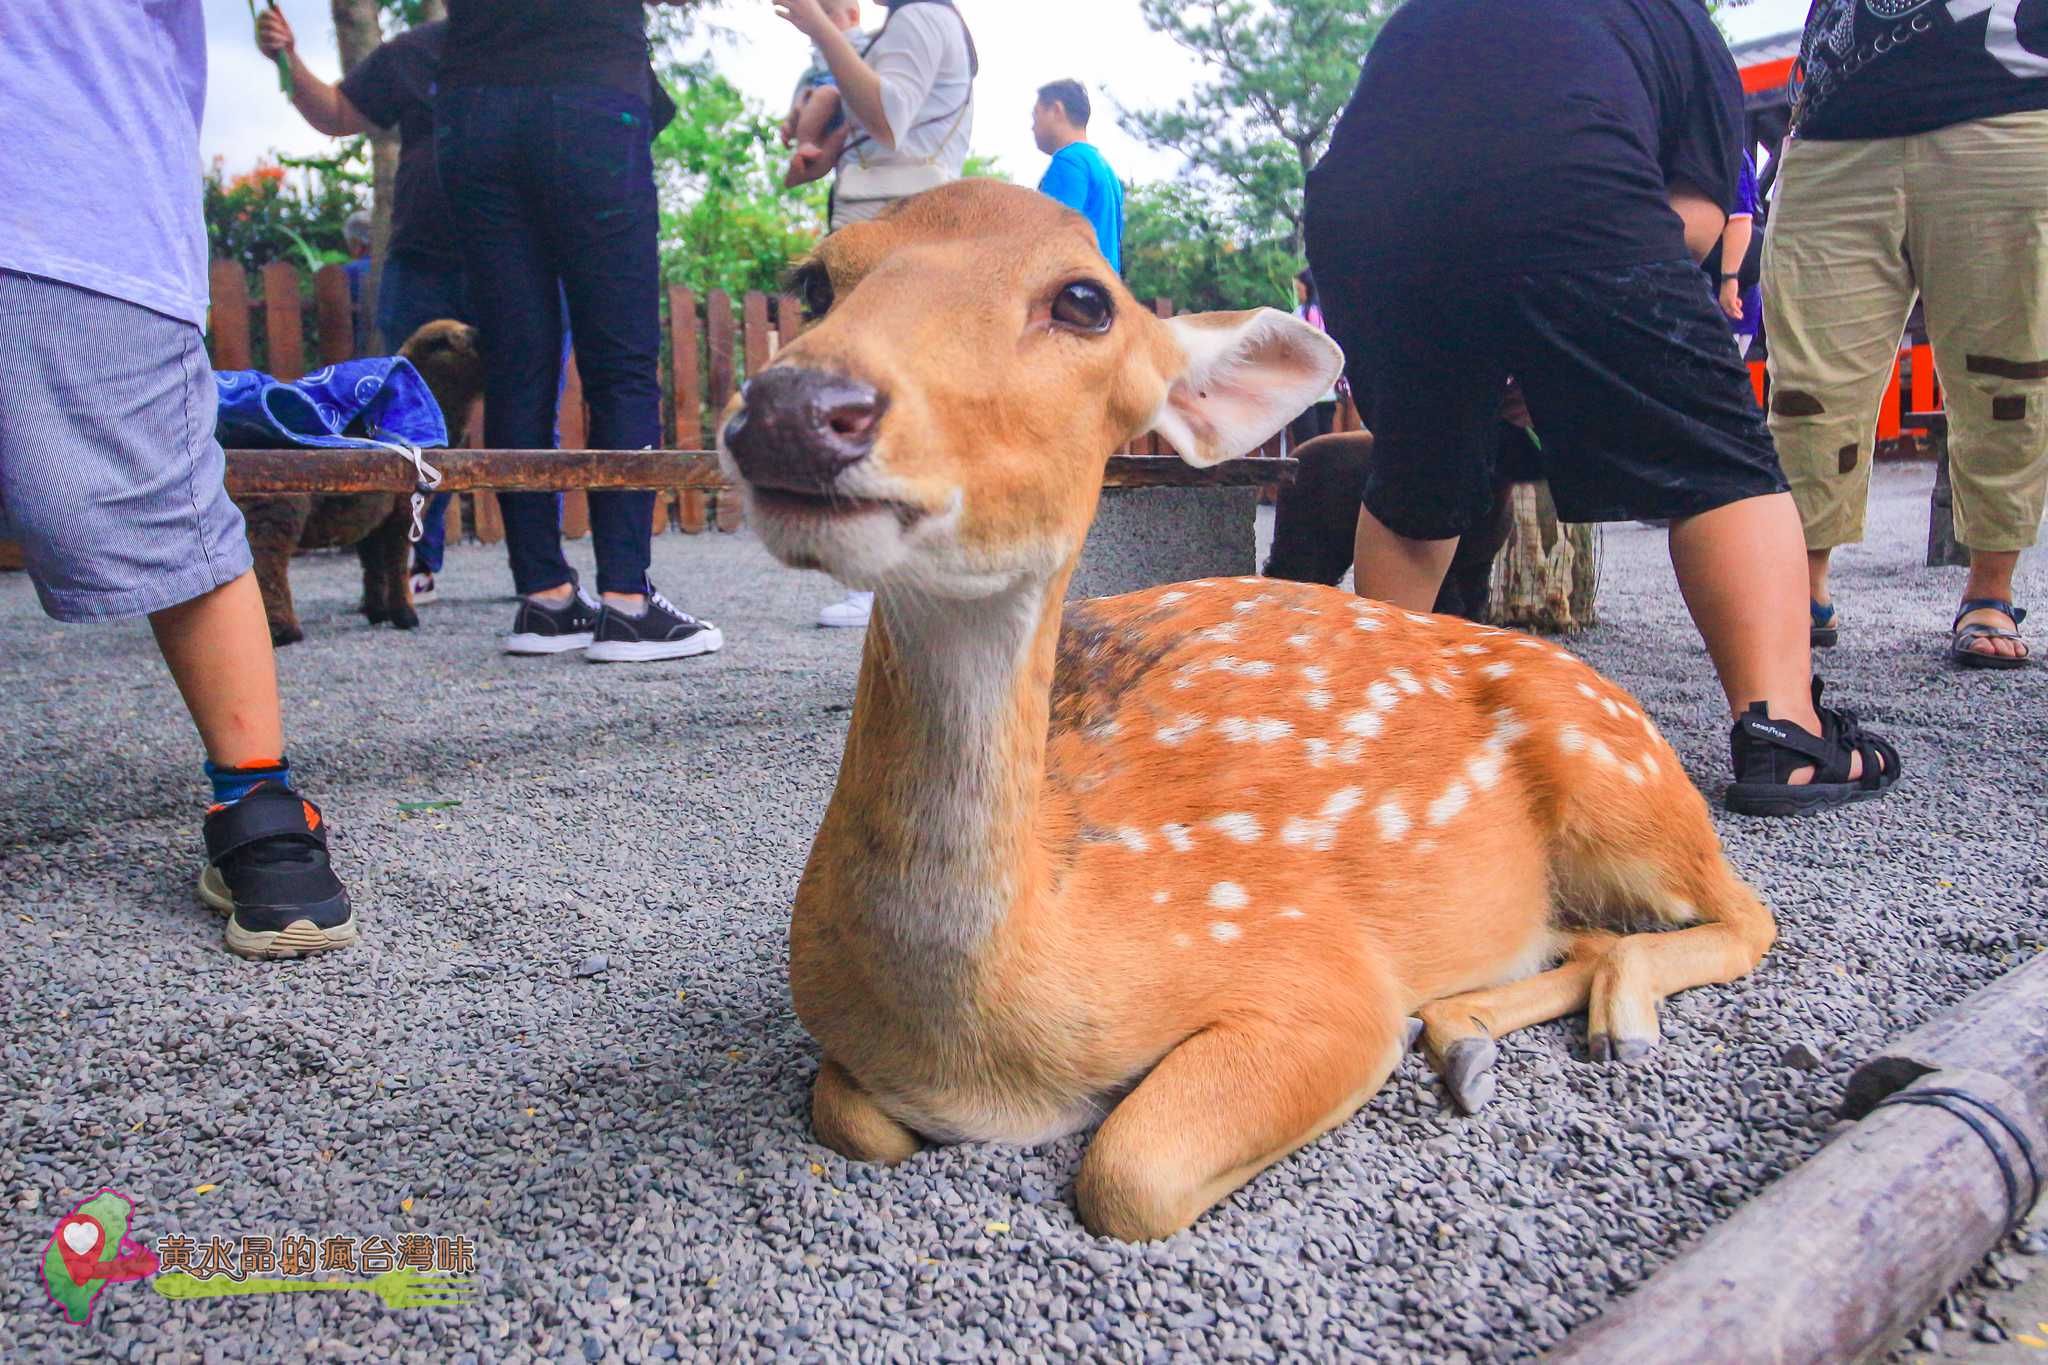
x: 1224, y: 1105
x: 847, y: 1120
x: 385, y: 582
x: 1458, y: 1031
x: 1641, y: 969
x: 274, y: 526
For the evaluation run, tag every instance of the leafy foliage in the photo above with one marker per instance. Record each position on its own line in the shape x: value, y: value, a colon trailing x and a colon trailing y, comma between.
x: 1283, y: 70
x: 1179, y: 244
x: 291, y: 210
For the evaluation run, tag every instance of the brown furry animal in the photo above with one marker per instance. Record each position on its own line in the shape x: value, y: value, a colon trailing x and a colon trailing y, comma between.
x: 447, y: 355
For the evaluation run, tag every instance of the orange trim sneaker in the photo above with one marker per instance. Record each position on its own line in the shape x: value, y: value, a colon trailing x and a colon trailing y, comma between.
x: 267, y: 870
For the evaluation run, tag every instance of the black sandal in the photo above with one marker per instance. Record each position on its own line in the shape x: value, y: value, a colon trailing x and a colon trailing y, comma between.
x: 1961, y: 635
x: 1766, y: 753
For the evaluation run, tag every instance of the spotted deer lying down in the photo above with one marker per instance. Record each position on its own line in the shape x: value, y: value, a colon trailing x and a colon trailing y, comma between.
x: 1181, y: 863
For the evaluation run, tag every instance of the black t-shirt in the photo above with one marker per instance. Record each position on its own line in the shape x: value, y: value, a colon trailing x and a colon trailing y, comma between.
x: 1892, y: 68
x: 394, y: 87
x: 547, y: 42
x: 1530, y: 135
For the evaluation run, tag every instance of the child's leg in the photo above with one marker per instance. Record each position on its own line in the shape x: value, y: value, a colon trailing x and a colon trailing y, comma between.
x: 218, y: 648
x: 814, y: 119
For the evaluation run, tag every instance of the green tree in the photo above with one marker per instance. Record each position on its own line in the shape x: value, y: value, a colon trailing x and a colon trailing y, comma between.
x: 726, y: 220
x: 1179, y: 244
x: 1281, y: 71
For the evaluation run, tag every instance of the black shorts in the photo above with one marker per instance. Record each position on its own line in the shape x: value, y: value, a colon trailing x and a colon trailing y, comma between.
x: 1642, y: 407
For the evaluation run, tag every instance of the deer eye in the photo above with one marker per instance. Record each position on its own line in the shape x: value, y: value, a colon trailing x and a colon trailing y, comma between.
x: 814, y: 291
x: 1083, y: 306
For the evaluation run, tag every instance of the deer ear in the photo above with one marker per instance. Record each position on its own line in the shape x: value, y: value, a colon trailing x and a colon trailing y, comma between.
x: 1243, y: 377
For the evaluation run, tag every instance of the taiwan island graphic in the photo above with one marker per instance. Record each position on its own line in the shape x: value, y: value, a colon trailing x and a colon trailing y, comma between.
x: 90, y: 1250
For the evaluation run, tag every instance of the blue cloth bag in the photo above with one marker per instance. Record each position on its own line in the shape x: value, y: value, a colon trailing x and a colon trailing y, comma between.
x: 376, y: 403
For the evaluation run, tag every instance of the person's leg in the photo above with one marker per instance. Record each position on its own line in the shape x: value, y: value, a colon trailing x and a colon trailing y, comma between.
x: 1978, y: 235
x: 1645, y: 411
x: 484, y: 140
x: 1837, y: 288
x: 601, y: 220
x: 111, y: 478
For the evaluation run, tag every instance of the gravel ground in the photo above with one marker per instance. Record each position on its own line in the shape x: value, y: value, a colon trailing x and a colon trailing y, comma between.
x: 628, y: 1149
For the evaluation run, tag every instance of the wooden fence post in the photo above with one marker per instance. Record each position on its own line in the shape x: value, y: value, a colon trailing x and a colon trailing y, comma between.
x: 229, y: 288
x: 719, y: 335
x: 759, y: 342
x: 573, y: 418
x: 687, y: 370
x: 282, y: 321
x: 334, y: 321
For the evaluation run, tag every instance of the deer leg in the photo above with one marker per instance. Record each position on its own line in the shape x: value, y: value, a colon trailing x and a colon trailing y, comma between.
x: 1458, y: 1031
x: 1224, y: 1105
x: 385, y: 580
x: 1641, y: 969
x: 847, y: 1120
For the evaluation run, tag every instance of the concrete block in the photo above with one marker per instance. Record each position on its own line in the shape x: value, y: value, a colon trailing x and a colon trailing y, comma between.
x: 1143, y: 537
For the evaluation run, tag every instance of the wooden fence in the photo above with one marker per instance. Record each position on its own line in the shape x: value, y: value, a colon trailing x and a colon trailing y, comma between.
x: 709, y: 346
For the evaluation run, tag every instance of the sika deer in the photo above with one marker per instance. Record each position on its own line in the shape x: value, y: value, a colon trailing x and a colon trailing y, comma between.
x: 1183, y: 861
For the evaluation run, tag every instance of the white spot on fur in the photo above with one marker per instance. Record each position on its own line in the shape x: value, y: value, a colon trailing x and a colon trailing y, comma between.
x: 1497, y: 670
x: 1109, y: 729
x: 1134, y: 840
x: 1301, y: 641
x: 1600, y: 752
x: 1167, y: 599
x: 1570, y: 740
x: 1404, y: 680
x: 1179, y: 730
x: 1182, y: 941
x: 1264, y: 730
x: 1239, y: 825
x: 1532, y: 644
x: 1160, y: 897
x: 1633, y: 773
x: 1506, y: 729
x: 1440, y: 687
x: 1223, y: 931
x: 1228, y: 896
x: 1366, y: 723
x: 1381, y: 696
x: 1315, y: 673
x: 1417, y: 618
x: 1607, y: 705
x: 1446, y: 807
x: 1485, y: 770
x: 1317, y: 698
x: 1291, y: 913
x: 1224, y: 634
x: 1453, y: 671
x: 1650, y: 764
x: 1320, y: 831
x: 1304, y: 611
x: 1176, y: 837
x: 1472, y: 649
x: 1394, y: 822
x: 1244, y: 668
x: 1251, y: 582
x: 1426, y: 846
x: 1588, y: 693
x: 1322, y: 753
x: 1253, y: 603
x: 1368, y: 622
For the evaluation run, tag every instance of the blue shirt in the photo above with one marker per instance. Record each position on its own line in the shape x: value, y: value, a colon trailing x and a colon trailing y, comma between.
x: 100, y: 184
x: 1079, y: 178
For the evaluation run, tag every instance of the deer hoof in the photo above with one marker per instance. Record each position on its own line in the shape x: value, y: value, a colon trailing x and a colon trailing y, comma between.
x: 1468, y: 1073
x: 1414, y: 1032
x: 376, y: 616
x: 1606, y: 1048
x: 288, y: 634
x: 405, y: 618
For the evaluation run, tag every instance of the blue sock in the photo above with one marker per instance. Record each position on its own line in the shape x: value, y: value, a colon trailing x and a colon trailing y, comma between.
x: 232, y: 784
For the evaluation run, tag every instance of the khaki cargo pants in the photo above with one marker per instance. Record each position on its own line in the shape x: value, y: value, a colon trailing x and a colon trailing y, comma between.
x: 1858, y: 231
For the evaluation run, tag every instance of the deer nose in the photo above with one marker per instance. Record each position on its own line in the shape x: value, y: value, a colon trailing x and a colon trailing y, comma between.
x: 797, y: 429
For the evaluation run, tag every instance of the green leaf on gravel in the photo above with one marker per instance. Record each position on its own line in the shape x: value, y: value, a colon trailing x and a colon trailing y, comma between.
x: 414, y: 807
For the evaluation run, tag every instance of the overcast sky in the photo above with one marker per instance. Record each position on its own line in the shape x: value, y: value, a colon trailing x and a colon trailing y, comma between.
x: 1023, y: 43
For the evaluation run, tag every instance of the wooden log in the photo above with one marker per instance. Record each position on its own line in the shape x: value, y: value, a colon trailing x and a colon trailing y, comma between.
x: 789, y: 319
x: 334, y: 317
x: 1547, y: 574
x: 228, y: 287
x: 283, y: 339
x: 694, y: 504
x: 685, y: 343
x: 490, y: 518
x: 1840, y: 1257
x: 256, y: 472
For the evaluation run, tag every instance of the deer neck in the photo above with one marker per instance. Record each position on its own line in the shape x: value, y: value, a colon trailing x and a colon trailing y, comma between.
x: 938, y: 805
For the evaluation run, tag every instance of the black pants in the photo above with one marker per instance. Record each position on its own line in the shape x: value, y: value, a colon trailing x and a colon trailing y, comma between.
x: 553, y: 193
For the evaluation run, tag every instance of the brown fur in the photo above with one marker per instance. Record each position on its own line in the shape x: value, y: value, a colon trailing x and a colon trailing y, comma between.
x: 377, y: 524
x: 1180, y: 861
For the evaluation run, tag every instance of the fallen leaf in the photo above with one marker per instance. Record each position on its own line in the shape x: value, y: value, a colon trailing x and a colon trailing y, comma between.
x: 711, y: 1283
x: 405, y: 1204
x: 138, y: 1126
x: 2026, y: 1340
x: 204, y: 1189
x: 531, y: 1112
x: 816, y: 1169
x: 993, y: 1228
x: 735, y: 1054
x: 413, y: 807
x: 682, y: 995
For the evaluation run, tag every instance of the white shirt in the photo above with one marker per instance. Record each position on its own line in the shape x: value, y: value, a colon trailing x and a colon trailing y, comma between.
x: 927, y: 91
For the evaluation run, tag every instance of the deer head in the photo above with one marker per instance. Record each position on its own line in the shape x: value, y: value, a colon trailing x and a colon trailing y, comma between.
x: 971, y: 365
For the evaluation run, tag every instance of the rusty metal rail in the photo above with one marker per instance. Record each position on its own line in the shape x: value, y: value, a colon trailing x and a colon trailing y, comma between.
x: 254, y: 473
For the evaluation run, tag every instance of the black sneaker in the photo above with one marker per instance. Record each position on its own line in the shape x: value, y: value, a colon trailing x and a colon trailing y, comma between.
x: 267, y: 870
x: 661, y: 632
x: 552, y: 630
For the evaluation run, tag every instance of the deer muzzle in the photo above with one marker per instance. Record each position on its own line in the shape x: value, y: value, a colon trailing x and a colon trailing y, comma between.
x: 798, y: 430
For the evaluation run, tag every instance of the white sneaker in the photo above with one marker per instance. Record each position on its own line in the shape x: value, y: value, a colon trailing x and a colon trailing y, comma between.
x: 851, y: 614
x: 423, y: 589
